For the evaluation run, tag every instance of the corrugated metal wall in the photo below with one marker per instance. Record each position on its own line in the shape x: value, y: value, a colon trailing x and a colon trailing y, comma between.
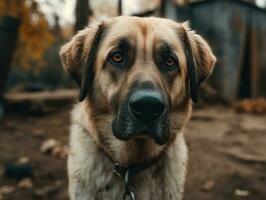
x: 237, y: 33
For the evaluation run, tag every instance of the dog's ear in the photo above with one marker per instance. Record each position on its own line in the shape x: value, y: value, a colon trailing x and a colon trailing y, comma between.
x: 78, y: 56
x: 200, y: 59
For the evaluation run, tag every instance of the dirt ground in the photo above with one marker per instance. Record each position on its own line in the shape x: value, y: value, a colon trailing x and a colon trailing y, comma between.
x: 227, y: 155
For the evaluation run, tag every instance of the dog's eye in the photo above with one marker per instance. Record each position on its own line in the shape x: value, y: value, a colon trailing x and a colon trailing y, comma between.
x: 170, y: 62
x: 117, y: 57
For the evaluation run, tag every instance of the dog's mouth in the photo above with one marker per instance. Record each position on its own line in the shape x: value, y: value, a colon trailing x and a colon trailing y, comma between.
x: 141, y: 136
x: 125, y: 129
x: 143, y: 115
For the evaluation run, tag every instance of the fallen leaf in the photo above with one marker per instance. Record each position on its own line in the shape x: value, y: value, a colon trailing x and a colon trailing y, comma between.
x: 48, y: 145
x: 25, y: 183
x: 207, y: 186
x: 23, y: 160
x: 7, y: 189
x: 60, y: 152
x: 256, y: 106
x: 241, y: 193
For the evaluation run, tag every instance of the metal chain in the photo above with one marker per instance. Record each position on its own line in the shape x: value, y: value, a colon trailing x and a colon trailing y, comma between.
x: 129, y: 195
x: 129, y: 190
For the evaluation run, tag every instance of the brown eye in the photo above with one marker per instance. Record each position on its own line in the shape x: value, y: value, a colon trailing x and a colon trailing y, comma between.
x: 117, y: 58
x: 170, y: 62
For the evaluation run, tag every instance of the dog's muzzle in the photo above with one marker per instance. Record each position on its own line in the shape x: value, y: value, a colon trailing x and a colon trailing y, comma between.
x: 145, y: 113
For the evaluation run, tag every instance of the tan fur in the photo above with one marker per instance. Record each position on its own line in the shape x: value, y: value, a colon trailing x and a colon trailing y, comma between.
x: 91, y: 138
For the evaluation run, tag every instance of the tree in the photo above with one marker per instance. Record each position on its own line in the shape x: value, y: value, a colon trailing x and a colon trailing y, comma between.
x: 34, y: 33
x: 120, y: 7
x: 31, y: 29
x: 83, y: 12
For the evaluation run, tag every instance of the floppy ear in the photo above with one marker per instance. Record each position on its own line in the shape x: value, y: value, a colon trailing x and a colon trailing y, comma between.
x: 78, y: 57
x: 200, y: 59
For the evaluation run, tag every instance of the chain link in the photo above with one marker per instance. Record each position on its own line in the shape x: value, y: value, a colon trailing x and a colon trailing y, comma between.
x: 129, y: 190
x: 129, y: 195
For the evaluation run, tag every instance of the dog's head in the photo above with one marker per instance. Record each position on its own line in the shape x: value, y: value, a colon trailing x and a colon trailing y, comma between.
x: 138, y: 77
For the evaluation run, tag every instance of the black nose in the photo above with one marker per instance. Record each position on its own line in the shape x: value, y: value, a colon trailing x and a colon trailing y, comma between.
x: 147, y: 105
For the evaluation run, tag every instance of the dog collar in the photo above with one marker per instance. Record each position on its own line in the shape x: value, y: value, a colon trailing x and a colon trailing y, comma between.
x: 129, y: 171
x: 135, y: 168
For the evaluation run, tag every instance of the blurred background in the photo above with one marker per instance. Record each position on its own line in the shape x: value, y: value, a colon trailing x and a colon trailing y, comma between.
x: 227, y: 132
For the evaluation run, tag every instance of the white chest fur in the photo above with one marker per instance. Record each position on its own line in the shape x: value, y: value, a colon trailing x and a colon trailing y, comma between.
x: 91, y: 174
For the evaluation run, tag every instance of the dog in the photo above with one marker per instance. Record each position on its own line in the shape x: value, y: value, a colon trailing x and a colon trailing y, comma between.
x: 138, y: 78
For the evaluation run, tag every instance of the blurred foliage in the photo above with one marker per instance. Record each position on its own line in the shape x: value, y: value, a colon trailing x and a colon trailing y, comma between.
x: 35, y: 35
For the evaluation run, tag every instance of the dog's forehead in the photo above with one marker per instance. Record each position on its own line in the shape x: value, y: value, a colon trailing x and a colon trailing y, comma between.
x: 137, y: 28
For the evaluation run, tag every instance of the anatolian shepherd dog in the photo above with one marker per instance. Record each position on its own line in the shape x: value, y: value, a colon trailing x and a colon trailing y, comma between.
x: 137, y: 78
